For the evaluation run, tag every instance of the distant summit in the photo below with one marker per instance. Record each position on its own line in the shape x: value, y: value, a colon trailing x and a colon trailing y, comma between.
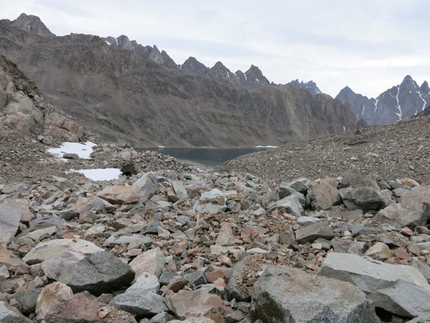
x: 32, y: 24
x: 310, y: 86
x: 398, y: 103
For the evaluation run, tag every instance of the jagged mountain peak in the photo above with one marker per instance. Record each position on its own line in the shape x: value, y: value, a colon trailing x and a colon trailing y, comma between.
x: 400, y: 102
x: 193, y: 67
x: 32, y: 24
x: 309, y: 86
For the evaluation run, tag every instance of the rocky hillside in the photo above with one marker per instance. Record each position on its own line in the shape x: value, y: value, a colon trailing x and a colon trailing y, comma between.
x: 25, y: 112
x: 398, y: 103
x: 392, y: 151
x: 110, y: 86
x: 172, y: 243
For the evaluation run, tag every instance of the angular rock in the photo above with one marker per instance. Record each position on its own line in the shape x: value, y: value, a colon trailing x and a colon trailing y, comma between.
x: 11, y: 212
x: 398, y: 289
x: 26, y: 300
x: 146, y: 304
x: 364, y: 198
x: 44, y: 250
x: 225, y: 236
x: 314, y: 231
x: 51, y: 295
x: 119, y: 194
x: 180, y: 191
x: 146, y: 185
x: 53, y: 266
x: 324, y: 195
x: 82, y: 309
x: 291, y: 204
x: 186, y: 304
x: 285, y: 294
x: 399, y: 216
x: 9, y: 314
x: 152, y: 261
x: 98, y: 273
x: 379, y: 251
x: 146, y: 283
x: 213, y: 201
x: 354, y: 178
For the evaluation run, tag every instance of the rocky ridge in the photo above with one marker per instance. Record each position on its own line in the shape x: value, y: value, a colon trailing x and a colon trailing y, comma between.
x: 125, y: 96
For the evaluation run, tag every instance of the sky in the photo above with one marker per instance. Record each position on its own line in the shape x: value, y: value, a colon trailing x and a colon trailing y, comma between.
x: 368, y: 45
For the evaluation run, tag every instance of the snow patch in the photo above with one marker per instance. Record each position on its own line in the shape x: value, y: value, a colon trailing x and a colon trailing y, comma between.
x: 376, y: 105
x: 83, y: 150
x: 100, y: 174
x: 269, y: 146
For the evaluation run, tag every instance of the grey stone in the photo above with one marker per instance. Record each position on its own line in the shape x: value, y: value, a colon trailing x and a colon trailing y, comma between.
x: 398, y: 289
x: 197, y: 278
x: 399, y: 216
x: 284, y: 191
x: 290, y: 203
x: 234, y: 288
x: 285, y: 294
x: 314, y: 231
x: 146, y: 283
x: 422, y: 267
x: 26, y: 300
x: 139, y: 304
x: 97, y: 273
x: 10, y: 216
x: 354, y: 178
x: 9, y: 314
x: 146, y: 185
x: 152, y: 261
x: 180, y: 191
x: 213, y: 201
x: 364, y: 198
x: 162, y: 317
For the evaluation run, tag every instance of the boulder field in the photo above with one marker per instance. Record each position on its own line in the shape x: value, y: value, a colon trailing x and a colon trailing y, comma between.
x: 171, y: 242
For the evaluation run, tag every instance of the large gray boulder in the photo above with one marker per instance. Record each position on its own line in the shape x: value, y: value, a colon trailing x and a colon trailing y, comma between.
x: 98, y: 273
x: 285, y: 294
x: 412, y: 210
x: 146, y: 185
x: 363, y: 198
x: 398, y: 289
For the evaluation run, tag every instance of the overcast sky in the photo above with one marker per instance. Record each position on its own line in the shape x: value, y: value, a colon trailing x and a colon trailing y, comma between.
x: 369, y: 45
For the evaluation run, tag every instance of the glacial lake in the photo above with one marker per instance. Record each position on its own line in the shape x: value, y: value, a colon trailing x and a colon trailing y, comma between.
x: 206, y: 156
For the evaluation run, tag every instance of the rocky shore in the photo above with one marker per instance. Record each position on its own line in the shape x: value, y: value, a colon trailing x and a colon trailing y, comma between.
x: 169, y: 242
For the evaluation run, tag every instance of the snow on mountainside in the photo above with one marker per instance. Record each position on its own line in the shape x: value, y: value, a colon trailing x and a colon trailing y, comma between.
x: 398, y: 103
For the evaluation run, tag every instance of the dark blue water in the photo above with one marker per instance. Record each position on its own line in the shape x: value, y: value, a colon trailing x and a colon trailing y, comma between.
x: 206, y: 156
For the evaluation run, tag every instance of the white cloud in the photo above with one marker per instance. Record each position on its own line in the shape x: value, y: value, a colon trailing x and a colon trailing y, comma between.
x: 368, y: 45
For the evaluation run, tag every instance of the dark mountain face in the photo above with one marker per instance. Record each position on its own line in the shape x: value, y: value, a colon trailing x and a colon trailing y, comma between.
x: 114, y: 87
x: 398, y: 103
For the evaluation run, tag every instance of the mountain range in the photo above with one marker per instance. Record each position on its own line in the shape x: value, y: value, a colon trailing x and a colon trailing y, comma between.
x: 124, y: 91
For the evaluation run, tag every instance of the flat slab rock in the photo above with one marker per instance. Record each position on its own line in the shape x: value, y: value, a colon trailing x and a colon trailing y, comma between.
x: 285, y: 294
x: 398, y: 289
x: 44, y: 250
